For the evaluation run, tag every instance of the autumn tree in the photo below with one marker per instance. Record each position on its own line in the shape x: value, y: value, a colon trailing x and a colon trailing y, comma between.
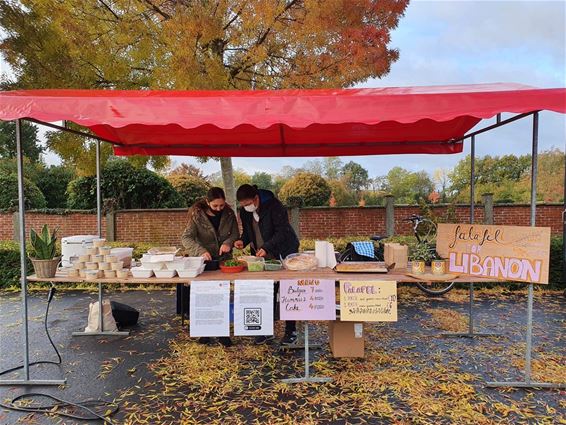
x: 223, y: 44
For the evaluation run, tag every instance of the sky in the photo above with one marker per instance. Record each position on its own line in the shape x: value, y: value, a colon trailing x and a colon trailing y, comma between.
x: 462, y: 42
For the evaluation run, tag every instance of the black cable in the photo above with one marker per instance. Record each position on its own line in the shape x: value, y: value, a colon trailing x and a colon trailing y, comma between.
x: 58, y: 362
x: 56, y: 408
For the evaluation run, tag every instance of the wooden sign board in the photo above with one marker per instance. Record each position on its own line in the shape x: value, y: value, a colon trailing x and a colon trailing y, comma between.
x: 511, y: 253
x: 371, y: 301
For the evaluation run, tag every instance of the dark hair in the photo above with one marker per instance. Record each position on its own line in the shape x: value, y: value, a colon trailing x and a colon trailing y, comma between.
x: 215, y: 193
x: 246, y: 191
x: 201, y: 205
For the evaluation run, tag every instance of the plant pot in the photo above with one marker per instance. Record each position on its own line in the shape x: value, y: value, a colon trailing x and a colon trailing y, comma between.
x: 45, y: 268
x: 418, y: 267
x: 438, y: 267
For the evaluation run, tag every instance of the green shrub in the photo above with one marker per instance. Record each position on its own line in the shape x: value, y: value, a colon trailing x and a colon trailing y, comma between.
x: 191, y: 188
x: 312, y: 188
x: 128, y: 188
x: 10, y: 264
x: 556, y: 262
x: 9, y: 193
x: 53, y: 182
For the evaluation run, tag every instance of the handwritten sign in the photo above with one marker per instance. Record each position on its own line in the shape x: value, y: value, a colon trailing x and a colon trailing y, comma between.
x: 372, y: 301
x: 307, y: 299
x: 253, y: 307
x: 513, y: 253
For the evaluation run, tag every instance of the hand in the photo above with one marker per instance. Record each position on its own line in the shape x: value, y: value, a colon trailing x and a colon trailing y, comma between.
x: 224, y: 248
x: 207, y: 256
x: 261, y: 253
x: 239, y: 244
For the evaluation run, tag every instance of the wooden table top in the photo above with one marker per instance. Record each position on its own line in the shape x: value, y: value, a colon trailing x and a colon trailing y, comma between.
x: 321, y: 273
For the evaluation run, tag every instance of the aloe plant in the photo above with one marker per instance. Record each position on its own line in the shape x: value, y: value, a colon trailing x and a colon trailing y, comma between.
x: 43, y: 244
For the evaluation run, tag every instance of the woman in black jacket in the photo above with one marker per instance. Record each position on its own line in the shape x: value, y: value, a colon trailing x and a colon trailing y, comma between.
x: 266, y: 228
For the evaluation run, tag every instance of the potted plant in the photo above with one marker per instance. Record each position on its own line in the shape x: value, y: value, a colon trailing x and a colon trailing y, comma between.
x: 421, y: 255
x: 43, y: 252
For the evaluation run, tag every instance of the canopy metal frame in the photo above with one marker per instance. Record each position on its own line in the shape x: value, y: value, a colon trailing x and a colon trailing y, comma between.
x: 26, y: 381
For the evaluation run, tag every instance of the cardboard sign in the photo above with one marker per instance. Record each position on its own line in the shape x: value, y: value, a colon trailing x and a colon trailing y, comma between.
x: 372, y: 301
x: 253, y: 307
x: 512, y: 253
x: 307, y: 299
x: 210, y: 308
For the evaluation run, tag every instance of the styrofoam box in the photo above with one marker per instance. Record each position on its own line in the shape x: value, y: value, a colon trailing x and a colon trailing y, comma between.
x: 140, y: 272
x: 194, y: 261
x: 192, y: 272
x: 165, y: 273
x: 152, y: 266
x: 157, y: 258
x: 180, y: 263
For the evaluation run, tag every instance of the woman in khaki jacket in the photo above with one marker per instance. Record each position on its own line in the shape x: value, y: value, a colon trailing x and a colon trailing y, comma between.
x: 212, y: 227
x: 211, y: 232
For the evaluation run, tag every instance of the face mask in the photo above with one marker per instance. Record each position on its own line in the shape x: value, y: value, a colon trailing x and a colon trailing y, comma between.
x: 250, y: 208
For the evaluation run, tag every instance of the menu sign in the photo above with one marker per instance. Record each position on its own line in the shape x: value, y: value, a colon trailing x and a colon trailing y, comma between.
x: 210, y: 308
x: 514, y: 253
x: 372, y: 301
x: 307, y: 299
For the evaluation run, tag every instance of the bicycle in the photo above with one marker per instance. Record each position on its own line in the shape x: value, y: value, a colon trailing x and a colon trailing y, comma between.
x: 424, y: 231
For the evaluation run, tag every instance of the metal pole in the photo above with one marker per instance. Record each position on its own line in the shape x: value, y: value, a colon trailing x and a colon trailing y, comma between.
x: 22, y: 236
x: 472, y: 180
x: 307, y: 361
x: 528, y: 382
x: 534, y: 175
x: 564, y: 228
x: 23, y: 269
x: 98, y: 192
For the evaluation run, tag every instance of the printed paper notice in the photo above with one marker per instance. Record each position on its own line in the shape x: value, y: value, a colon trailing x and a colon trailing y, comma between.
x: 373, y: 301
x: 307, y: 299
x: 253, y: 307
x: 210, y: 308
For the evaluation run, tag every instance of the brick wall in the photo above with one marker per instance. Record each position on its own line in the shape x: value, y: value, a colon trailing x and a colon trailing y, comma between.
x: 166, y: 226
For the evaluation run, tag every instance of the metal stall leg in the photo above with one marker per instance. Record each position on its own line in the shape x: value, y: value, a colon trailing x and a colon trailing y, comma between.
x: 307, y: 377
x: 23, y: 275
x: 528, y: 383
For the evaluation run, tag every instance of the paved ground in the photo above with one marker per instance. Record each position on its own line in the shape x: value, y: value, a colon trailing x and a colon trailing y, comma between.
x: 162, y: 377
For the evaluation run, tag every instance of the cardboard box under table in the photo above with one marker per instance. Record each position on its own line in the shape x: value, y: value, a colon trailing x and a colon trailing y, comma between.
x: 346, y: 339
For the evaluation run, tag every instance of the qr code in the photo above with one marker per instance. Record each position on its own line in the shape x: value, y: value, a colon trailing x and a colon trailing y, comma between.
x: 252, y: 316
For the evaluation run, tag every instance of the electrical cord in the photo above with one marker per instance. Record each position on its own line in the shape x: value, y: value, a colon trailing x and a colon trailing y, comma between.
x: 58, y: 362
x: 59, y: 405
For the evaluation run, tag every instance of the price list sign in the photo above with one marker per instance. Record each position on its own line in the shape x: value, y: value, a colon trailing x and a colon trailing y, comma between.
x: 372, y: 301
x: 307, y: 299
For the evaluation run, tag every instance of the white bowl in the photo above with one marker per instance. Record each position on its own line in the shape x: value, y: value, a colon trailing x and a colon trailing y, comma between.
x: 165, y: 273
x: 141, y: 272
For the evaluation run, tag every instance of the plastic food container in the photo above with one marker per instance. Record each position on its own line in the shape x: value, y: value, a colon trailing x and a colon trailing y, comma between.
x: 91, y: 266
x: 99, y: 258
x: 91, y: 274
x: 165, y: 273
x: 273, y: 265
x: 109, y: 274
x: 123, y: 254
x: 92, y: 251
x: 78, y: 265
x: 72, y: 272
x: 104, y: 250
x: 118, y: 265
x: 83, y: 258
x: 255, y: 264
x: 122, y: 274
x: 82, y: 273
x: 110, y: 258
x: 300, y: 262
x: 141, y: 273
x: 104, y: 266
x: 97, y: 243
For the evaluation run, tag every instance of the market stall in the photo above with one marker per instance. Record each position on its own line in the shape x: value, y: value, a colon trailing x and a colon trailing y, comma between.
x: 427, y: 120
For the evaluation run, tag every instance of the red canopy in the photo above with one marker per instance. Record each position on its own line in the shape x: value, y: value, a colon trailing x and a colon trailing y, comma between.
x: 282, y: 123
